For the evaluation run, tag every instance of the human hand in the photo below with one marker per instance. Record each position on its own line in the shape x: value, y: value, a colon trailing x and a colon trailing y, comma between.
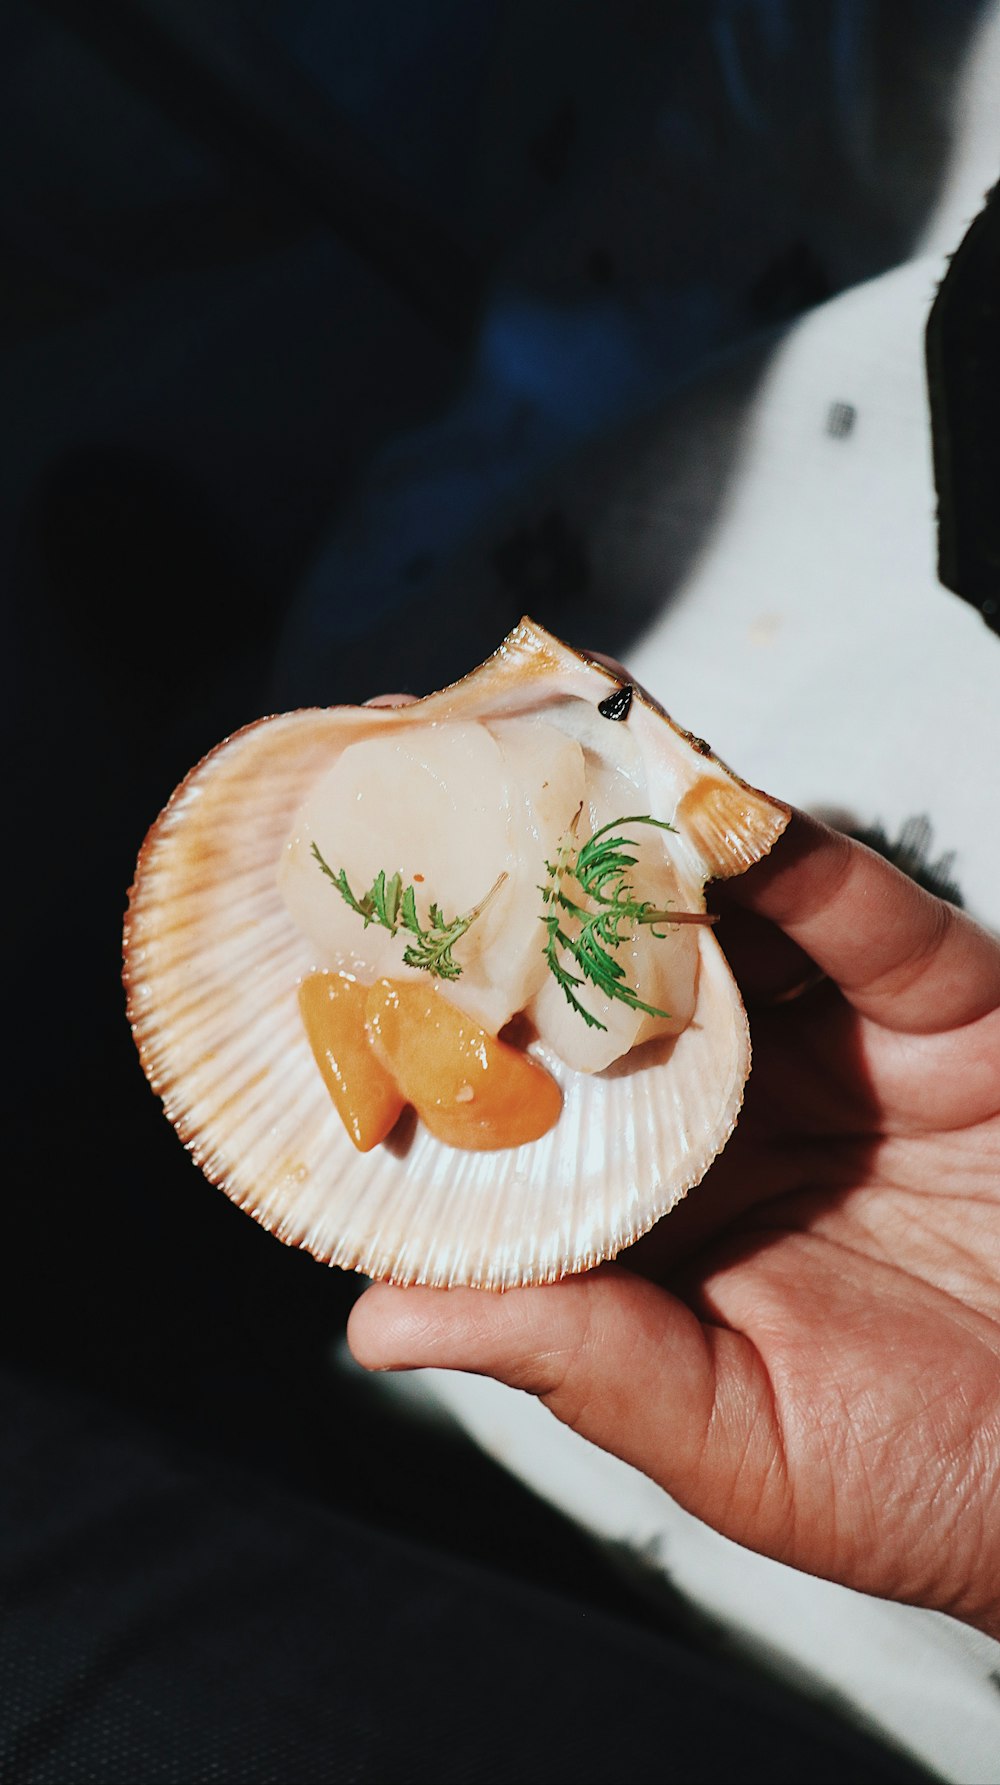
x: 806, y: 1353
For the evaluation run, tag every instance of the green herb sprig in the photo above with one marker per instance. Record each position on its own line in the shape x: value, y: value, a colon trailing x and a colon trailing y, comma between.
x: 391, y: 904
x: 600, y: 867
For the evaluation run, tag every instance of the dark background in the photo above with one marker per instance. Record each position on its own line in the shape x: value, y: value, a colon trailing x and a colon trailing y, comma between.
x: 331, y: 336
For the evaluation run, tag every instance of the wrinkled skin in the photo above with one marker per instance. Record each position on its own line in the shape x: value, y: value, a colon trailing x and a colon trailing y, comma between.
x: 806, y: 1353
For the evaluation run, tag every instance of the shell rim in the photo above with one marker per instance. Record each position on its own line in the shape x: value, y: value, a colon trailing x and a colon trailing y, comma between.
x: 367, y: 1266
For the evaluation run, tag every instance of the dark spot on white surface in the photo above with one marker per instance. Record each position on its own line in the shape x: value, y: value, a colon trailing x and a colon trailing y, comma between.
x: 840, y: 420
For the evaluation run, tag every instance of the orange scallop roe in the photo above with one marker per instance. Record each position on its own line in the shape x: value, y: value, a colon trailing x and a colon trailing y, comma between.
x: 401, y: 1042
x: 469, y: 1088
x: 366, y: 1096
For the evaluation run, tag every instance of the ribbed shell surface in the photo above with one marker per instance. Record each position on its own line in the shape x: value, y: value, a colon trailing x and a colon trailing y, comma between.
x: 212, y: 969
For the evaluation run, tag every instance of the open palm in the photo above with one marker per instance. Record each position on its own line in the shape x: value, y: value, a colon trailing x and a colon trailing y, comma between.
x: 806, y: 1353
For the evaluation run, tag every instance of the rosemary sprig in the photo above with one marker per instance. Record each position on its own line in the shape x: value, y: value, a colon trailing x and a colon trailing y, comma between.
x: 389, y: 903
x: 600, y: 870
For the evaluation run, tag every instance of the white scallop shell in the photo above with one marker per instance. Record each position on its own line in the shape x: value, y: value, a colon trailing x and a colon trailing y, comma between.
x: 212, y: 968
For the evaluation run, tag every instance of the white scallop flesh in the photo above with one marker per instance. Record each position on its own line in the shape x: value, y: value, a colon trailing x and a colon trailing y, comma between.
x: 659, y: 963
x: 452, y: 809
x: 455, y: 808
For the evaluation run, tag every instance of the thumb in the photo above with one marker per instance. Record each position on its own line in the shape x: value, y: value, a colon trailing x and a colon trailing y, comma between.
x: 620, y: 1361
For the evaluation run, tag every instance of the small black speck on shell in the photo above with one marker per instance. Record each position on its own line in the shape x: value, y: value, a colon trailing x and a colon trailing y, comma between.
x: 618, y: 704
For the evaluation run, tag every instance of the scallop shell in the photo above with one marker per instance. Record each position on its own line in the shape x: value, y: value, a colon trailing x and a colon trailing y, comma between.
x: 212, y: 964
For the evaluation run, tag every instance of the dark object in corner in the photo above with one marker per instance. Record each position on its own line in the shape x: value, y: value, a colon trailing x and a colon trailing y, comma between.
x: 962, y: 347
x: 617, y: 705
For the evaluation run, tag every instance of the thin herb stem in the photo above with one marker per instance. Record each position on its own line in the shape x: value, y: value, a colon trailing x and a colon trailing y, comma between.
x: 393, y: 906
x: 600, y: 870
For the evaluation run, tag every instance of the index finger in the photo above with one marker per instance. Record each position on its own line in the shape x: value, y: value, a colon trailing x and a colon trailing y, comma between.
x: 901, y: 956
